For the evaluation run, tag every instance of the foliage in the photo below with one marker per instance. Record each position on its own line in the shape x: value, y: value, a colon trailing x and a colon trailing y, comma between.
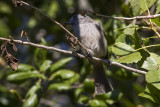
x: 45, y: 78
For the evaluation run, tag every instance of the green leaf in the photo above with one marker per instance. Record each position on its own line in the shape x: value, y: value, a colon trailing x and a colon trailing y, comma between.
x: 32, y: 22
x: 153, y: 77
x: 33, y: 89
x: 115, y: 95
x: 45, y: 65
x: 32, y: 101
x: 158, y: 9
x: 63, y: 74
x: 59, y: 86
x: 131, y: 58
x: 61, y: 63
x: 149, y: 64
x: 155, y: 57
x: 98, y: 103
x: 151, y: 93
x: 4, y: 30
x: 24, y: 68
x: 43, y: 41
x: 152, y: 62
x: 140, y: 6
x: 130, y: 29
x: 83, y: 99
x: 124, y: 39
x: 122, y: 49
x: 78, y: 92
x: 156, y: 21
x: 88, y: 86
x: 5, y: 8
x: 22, y: 76
x: 74, y: 79
x: 33, y: 95
x: 53, y: 9
x: 148, y: 96
x: 122, y: 74
x: 39, y: 56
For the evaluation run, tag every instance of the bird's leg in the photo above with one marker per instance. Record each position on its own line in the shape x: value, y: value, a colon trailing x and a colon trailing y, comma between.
x: 89, y: 56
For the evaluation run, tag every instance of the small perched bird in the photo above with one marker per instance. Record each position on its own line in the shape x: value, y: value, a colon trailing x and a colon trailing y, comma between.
x: 91, y: 34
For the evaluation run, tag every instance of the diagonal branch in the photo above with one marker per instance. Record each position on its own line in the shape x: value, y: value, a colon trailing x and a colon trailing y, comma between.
x: 76, y: 54
x: 44, y: 14
x: 126, y: 18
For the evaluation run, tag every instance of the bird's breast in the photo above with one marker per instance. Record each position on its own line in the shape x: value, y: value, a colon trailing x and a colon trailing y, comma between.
x: 92, y: 39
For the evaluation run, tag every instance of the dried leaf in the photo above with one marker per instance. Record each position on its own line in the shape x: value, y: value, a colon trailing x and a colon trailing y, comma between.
x: 73, y: 41
x: 17, y: 3
x: 22, y: 33
x: 14, y: 47
x: 12, y: 61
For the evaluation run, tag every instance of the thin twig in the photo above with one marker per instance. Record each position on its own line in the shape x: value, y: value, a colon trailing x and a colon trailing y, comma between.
x: 126, y: 18
x: 33, y: 7
x: 77, y: 54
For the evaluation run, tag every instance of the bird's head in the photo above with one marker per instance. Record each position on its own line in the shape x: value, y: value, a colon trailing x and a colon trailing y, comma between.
x: 76, y: 19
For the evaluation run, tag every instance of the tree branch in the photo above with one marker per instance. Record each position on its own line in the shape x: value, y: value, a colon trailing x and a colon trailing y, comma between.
x: 127, y: 18
x: 44, y: 14
x: 76, y: 54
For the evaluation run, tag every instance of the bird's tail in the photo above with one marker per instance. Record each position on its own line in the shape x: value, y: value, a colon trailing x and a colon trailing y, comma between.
x: 101, y: 83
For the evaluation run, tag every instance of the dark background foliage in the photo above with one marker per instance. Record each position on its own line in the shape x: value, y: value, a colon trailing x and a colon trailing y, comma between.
x: 47, y: 78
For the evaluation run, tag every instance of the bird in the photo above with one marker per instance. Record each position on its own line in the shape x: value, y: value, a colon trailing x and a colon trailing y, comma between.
x: 92, y: 36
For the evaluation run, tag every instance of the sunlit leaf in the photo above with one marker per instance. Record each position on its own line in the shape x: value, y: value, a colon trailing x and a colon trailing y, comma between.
x: 32, y: 101
x: 154, y: 78
x: 33, y: 96
x: 78, y: 92
x: 22, y: 76
x: 45, y: 65
x: 88, y: 86
x: 33, y: 89
x: 140, y: 6
x: 59, y: 86
x: 24, y: 68
x: 131, y: 58
x: 130, y: 29
x: 74, y: 78
x: 152, y: 62
x: 158, y: 9
x: 98, y: 103
x: 63, y: 74
x: 156, y: 21
x: 83, y: 99
x: 151, y: 93
x: 155, y: 57
x: 59, y: 64
x: 122, y: 49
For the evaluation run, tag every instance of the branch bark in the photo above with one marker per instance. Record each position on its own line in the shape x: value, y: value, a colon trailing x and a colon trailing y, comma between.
x: 44, y: 14
x: 126, y: 18
x: 76, y: 54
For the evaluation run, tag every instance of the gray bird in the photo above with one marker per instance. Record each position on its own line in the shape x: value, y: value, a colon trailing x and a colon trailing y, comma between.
x: 91, y: 35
